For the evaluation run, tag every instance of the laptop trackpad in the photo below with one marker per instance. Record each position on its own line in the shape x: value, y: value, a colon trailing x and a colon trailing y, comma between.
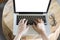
x: 31, y: 31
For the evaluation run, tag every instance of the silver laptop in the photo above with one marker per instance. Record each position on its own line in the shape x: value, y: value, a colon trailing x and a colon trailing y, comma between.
x: 31, y: 9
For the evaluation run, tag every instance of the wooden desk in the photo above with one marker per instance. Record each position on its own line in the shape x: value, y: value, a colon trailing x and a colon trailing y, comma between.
x: 7, y: 21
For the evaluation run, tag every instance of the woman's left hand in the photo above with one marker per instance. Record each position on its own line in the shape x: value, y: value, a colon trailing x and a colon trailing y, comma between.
x: 22, y: 27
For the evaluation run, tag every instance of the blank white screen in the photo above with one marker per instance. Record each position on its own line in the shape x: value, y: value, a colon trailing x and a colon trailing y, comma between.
x: 31, y: 5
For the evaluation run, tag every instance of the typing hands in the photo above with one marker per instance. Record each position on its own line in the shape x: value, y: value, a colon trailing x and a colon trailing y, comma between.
x: 39, y: 27
x: 22, y: 27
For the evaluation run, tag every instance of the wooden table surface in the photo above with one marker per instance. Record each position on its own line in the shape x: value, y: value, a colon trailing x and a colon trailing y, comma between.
x: 8, y: 14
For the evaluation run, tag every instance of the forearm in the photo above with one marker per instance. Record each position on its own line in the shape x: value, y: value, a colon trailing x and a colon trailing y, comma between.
x: 44, y: 36
x: 18, y: 37
x: 57, y: 32
x: 55, y: 35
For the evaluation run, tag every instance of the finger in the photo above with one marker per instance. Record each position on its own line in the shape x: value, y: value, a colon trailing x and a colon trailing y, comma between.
x: 20, y: 21
x: 27, y: 28
x: 35, y: 21
x: 42, y: 21
x: 34, y: 26
x: 26, y: 21
x: 39, y: 20
x: 23, y: 20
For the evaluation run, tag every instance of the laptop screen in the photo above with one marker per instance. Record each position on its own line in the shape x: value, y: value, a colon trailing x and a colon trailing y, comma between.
x: 40, y: 6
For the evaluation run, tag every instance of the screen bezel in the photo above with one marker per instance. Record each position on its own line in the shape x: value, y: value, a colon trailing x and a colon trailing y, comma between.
x: 30, y: 12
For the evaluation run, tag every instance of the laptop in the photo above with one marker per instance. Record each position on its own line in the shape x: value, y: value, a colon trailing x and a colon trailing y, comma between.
x: 31, y: 9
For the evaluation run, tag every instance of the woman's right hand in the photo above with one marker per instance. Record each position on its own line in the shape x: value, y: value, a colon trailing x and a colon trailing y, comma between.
x: 40, y: 28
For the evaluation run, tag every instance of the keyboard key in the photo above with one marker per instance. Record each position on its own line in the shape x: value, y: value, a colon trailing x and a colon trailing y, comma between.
x: 30, y: 19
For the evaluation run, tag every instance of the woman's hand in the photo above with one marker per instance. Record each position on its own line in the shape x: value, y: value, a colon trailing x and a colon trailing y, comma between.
x: 40, y: 28
x: 22, y: 29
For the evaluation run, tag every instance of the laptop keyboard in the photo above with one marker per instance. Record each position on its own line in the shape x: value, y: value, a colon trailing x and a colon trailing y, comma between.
x: 30, y: 19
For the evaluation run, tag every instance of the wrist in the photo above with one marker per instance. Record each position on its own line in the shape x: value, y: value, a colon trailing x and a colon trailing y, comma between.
x: 18, y: 37
x: 41, y: 32
x: 44, y: 36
